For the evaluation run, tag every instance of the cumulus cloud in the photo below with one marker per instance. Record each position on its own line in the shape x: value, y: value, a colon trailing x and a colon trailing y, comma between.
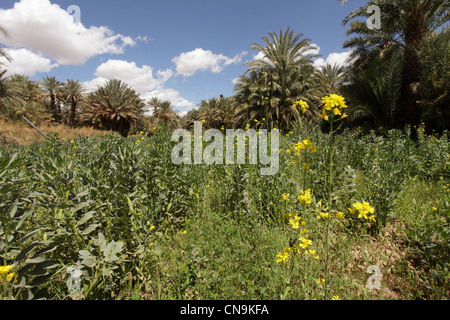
x: 188, y: 63
x: 339, y: 58
x: 25, y: 62
x: 49, y: 29
x: 141, y: 79
x: 173, y: 96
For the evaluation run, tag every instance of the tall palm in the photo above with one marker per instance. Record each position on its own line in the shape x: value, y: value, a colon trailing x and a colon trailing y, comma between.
x: 373, y: 94
x: 72, y: 92
x: 188, y: 120
x: 2, y: 51
x: 328, y: 80
x: 406, y: 24
x: 22, y: 97
x: 155, y: 103
x: 164, y: 113
x: 116, y: 106
x: 53, y: 88
x: 217, y: 112
x: 283, y: 72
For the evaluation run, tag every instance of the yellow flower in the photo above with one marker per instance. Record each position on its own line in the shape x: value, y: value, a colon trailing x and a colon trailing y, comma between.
x: 320, y: 281
x: 5, y: 269
x: 364, y: 209
x: 10, y: 276
x: 302, y: 104
x: 305, y: 197
x: 323, y: 214
x: 434, y: 209
x: 285, y: 196
x: 295, y: 222
x: 152, y: 227
x: 340, y: 215
x: 282, y: 257
x: 287, y: 215
x: 334, y: 103
x: 335, y: 298
x: 304, y: 242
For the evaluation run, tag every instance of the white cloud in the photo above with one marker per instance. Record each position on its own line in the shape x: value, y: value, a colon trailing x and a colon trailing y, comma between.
x: 315, y: 49
x: 26, y: 62
x: 140, y: 79
x: 173, y: 96
x: 188, y: 63
x: 49, y: 29
x: 339, y: 58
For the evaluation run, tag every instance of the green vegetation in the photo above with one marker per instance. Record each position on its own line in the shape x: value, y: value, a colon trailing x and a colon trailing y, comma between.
x: 139, y: 226
x: 363, y: 179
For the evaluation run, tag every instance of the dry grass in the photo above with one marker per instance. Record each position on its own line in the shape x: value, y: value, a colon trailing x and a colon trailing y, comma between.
x: 24, y: 134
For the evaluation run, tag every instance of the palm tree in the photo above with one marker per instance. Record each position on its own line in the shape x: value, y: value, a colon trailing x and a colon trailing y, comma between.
x: 406, y: 24
x: 72, y: 92
x: 22, y: 97
x: 188, y: 120
x: 164, y: 113
x: 53, y: 88
x: 284, y: 73
x: 2, y: 51
x: 115, y: 106
x: 328, y: 80
x: 217, y: 112
x: 155, y: 102
x: 373, y: 94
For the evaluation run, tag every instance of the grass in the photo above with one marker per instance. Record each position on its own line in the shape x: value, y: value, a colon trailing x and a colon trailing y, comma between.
x: 140, y: 227
x: 24, y: 134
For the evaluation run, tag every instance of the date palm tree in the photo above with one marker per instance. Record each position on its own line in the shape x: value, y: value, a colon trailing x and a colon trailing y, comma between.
x: 164, y: 113
x: 405, y: 27
x: 72, y: 93
x: 2, y: 51
x: 328, y: 79
x: 217, y: 112
x: 282, y: 74
x: 53, y: 89
x: 116, y: 106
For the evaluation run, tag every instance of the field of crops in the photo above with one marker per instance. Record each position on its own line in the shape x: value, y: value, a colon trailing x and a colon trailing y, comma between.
x: 113, y: 218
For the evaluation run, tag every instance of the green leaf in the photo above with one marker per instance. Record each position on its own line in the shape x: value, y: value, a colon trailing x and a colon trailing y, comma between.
x: 82, y: 193
x: 87, y: 216
x: 13, y: 210
x: 82, y: 205
x: 35, y: 260
x: 25, y: 252
x: 89, y: 229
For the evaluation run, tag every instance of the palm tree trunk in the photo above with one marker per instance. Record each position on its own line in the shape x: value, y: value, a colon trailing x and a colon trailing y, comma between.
x: 54, y: 107
x: 408, y: 112
x: 73, y: 107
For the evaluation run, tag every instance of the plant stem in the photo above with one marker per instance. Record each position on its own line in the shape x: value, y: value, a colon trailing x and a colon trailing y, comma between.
x: 330, y: 177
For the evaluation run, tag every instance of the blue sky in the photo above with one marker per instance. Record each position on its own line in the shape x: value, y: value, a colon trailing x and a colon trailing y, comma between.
x: 183, y: 51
